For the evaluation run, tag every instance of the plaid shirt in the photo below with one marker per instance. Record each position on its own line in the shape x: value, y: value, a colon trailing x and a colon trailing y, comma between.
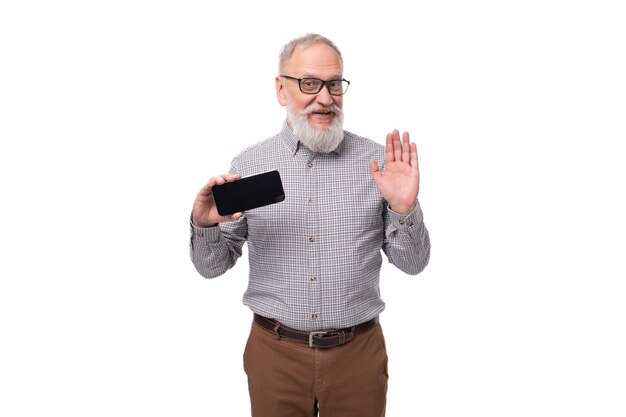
x: 315, y: 258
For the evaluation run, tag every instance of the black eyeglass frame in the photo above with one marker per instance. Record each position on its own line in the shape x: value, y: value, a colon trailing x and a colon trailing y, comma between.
x: 324, y: 83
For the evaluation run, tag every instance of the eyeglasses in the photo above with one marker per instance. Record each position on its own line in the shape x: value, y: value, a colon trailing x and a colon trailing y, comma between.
x: 315, y: 85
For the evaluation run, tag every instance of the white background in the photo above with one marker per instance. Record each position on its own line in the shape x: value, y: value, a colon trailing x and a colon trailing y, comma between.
x: 113, y: 114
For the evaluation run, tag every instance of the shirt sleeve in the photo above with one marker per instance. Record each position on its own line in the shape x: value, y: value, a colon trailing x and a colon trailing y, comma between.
x: 406, y: 242
x: 214, y: 250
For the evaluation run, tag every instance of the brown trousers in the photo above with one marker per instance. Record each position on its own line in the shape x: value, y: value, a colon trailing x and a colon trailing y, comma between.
x: 291, y: 379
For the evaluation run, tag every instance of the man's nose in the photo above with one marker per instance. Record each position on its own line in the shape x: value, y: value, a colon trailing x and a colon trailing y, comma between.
x: 324, y: 97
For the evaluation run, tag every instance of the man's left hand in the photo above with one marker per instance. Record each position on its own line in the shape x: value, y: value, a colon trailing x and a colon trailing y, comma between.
x: 399, y: 184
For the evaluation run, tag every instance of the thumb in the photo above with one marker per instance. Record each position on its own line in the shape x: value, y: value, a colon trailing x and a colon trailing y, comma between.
x: 374, y: 169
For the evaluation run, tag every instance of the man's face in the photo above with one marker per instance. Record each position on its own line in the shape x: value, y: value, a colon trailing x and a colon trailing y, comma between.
x: 314, y: 61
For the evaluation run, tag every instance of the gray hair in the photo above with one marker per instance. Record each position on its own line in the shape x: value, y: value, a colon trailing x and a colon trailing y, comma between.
x: 304, y: 41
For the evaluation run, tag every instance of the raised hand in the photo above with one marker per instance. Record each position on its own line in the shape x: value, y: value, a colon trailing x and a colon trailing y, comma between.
x: 204, y: 213
x: 399, y: 184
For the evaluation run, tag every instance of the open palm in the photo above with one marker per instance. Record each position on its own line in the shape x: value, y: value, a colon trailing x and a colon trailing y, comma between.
x: 399, y: 184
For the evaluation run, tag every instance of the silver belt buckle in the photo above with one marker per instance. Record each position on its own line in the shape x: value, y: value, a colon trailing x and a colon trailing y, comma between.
x: 318, y: 333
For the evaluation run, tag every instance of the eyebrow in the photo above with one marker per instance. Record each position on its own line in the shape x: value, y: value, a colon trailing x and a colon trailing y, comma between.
x: 332, y: 77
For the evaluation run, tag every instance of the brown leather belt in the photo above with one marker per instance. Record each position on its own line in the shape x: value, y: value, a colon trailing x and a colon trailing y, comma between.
x: 322, y: 339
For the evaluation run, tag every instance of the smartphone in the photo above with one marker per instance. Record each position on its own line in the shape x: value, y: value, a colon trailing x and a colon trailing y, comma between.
x: 248, y: 192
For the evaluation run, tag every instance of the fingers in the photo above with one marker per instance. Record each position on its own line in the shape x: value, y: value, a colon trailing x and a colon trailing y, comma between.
x: 236, y: 216
x: 374, y: 169
x: 414, y: 161
x: 219, y: 180
x: 397, y: 150
x: 406, y: 155
x: 231, y: 217
x: 389, y: 155
x: 397, y: 146
x: 224, y: 178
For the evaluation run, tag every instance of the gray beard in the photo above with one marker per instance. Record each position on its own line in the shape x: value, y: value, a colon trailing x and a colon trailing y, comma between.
x: 317, y: 140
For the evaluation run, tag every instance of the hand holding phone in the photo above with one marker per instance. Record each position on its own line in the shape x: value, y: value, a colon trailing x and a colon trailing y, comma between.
x: 248, y: 193
x: 204, y: 212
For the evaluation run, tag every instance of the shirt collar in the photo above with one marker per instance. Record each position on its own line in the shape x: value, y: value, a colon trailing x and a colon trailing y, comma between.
x: 289, y: 139
x: 293, y: 143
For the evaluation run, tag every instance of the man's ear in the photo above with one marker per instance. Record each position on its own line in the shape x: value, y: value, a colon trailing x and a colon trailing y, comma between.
x: 280, y: 92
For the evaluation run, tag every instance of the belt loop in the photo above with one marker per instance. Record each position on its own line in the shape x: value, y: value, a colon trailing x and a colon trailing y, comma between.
x: 276, y: 327
x: 342, y: 337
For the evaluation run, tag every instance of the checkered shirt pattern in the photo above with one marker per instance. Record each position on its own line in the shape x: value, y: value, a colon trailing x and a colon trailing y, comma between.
x: 315, y: 258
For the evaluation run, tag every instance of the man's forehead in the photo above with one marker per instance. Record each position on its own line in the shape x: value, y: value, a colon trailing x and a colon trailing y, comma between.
x: 314, y: 58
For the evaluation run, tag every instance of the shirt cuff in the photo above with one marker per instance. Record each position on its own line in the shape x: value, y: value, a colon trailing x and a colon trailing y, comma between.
x: 406, y: 221
x: 204, y: 234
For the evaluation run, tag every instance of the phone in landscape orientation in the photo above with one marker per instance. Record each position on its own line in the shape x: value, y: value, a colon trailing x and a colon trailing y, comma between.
x: 248, y: 192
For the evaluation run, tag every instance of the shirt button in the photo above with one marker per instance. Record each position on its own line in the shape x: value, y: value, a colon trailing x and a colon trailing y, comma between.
x: 309, y: 164
x: 200, y: 234
x: 313, y: 278
x: 314, y: 316
x: 401, y: 221
x: 311, y: 238
x: 410, y: 223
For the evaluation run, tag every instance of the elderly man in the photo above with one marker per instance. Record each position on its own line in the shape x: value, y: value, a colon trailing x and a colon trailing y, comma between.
x: 316, y: 344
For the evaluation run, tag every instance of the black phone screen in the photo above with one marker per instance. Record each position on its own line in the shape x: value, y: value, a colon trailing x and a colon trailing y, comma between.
x: 248, y: 192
